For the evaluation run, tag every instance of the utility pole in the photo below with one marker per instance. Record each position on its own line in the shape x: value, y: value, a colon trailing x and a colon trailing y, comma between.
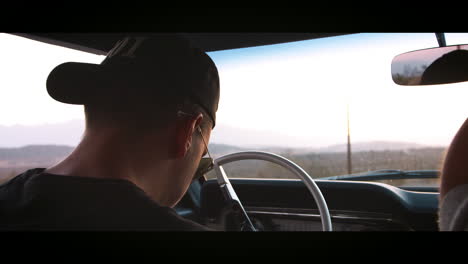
x: 349, y: 141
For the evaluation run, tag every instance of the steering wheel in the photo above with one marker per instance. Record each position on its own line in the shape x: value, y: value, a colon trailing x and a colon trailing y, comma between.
x: 231, y: 196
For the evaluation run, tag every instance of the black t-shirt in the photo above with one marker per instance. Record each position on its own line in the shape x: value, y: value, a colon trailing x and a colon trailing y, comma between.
x: 35, y: 200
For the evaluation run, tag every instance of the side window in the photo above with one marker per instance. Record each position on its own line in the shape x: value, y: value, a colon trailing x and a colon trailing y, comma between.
x: 35, y: 130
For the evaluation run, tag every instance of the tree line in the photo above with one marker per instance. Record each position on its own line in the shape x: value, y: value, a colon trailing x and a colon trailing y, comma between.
x: 319, y: 165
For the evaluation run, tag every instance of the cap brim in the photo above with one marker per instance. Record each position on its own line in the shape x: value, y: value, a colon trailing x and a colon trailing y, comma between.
x: 85, y: 83
x: 73, y: 82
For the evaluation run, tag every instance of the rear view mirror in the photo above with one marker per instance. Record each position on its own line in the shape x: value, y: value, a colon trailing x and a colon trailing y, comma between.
x: 431, y: 66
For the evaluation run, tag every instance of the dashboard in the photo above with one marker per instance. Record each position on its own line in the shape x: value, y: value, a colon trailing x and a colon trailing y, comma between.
x: 286, y: 205
x: 270, y: 219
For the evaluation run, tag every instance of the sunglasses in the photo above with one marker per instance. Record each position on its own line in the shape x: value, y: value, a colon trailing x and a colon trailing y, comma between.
x: 206, y: 164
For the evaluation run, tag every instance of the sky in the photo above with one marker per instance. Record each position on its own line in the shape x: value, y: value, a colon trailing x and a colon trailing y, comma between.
x: 295, y: 94
x: 303, y: 92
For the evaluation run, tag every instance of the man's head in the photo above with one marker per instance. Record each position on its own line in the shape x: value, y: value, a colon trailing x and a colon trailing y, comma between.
x: 141, y: 71
x: 139, y: 91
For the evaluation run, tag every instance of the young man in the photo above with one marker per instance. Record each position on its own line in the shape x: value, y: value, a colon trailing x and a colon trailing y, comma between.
x: 150, y: 107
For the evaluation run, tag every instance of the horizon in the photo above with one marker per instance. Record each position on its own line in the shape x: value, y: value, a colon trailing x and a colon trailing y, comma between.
x: 341, y: 148
x: 73, y: 134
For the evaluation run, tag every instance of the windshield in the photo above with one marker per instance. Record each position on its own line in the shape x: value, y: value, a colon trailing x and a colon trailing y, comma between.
x: 299, y: 100
x: 302, y: 99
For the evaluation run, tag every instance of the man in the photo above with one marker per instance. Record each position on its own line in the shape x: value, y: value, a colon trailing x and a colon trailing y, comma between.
x: 453, y: 212
x: 149, y: 107
x: 453, y: 203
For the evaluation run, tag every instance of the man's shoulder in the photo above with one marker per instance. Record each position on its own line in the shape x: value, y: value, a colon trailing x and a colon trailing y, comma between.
x: 15, y: 185
x: 85, y: 203
x: 22, y: 177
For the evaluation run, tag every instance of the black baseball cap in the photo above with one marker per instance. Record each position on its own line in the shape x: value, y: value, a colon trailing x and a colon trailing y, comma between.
x: 141, y: 68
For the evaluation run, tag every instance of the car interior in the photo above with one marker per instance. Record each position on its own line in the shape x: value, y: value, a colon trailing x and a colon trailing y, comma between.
x: 362, y: 199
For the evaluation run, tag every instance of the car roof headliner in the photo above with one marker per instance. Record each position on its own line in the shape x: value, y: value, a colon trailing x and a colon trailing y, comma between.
x: 101, y: 43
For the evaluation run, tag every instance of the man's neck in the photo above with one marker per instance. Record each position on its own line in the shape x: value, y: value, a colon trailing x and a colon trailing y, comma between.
x: 111, y: 156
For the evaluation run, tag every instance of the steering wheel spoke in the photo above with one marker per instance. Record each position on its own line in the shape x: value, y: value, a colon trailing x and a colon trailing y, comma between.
x: 231, y: 195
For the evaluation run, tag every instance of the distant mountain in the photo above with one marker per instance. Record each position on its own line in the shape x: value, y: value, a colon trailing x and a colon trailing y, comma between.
x: 34, y: 151
x: 33, y: 156
x: 223, y: 149
x: 251, y: 138
x: 218, y: 150
x: 224, y: 139
x: 15, y: 160
x: 66, y: 133
x: 70, y: 132
x: 45, y: 154
x: 371, y: 146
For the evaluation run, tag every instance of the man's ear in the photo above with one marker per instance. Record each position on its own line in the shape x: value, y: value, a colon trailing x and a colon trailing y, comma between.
x: 184, y: 133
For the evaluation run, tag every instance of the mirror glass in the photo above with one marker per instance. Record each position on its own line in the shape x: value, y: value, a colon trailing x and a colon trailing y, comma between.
x: 431, y: 66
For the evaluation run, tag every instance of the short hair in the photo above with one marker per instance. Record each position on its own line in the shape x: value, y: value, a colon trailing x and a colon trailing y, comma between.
x: 144, y: 91
x: 141, y: 118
